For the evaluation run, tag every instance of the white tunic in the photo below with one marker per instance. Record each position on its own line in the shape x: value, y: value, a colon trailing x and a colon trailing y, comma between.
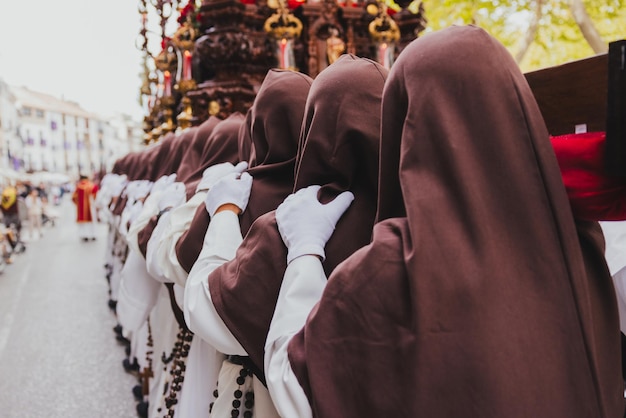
x: 302, y: 287
x: 150, y: 208
x: 162, y: 251
x: 221, y: 241
x: 220, y: 245
x: 615, y: 253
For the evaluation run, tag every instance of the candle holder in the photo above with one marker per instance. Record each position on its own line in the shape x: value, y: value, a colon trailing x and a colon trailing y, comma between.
x: 166, y: 60
x: 283, y: 27
x: 147, y: 129
x: 155, y: 134
x: 384, y: 31
x: 166, y: 108
x: 185, y: 117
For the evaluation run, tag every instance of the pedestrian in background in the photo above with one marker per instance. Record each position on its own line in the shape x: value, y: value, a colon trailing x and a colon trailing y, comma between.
x: 82, y: 197
x: 34, y: 208
x: 10, y: 209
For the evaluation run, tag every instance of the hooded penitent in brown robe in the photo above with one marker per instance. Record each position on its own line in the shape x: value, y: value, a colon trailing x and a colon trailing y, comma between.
x: 340, y: 138
x: 193, y: 154
x: 150, y: 164
x: 273, y: 123
x: 135, y: 166
x: 219, y: 147
x: 479, y: 295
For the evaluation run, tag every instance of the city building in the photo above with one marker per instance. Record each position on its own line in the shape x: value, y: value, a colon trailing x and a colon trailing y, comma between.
x: 40, y: 132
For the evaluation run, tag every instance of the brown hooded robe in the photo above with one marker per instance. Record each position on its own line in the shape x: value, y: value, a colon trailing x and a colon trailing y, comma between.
x: 478, y: 296
x: 340, y: 140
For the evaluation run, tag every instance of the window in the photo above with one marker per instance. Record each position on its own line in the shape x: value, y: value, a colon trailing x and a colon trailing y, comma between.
x: 26, y: 111
x: 39, y: 113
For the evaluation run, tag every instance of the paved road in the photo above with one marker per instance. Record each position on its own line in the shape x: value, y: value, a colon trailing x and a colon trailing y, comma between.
x: 58, y: 354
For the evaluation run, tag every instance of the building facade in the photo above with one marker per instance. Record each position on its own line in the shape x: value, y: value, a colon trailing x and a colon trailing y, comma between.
x: 39, y: 132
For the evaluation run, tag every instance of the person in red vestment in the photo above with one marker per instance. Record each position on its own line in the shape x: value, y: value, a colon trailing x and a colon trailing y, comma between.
x: 83, y: 197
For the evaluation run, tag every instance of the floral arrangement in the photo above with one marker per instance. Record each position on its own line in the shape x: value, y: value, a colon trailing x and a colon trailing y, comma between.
x: 190, y: 13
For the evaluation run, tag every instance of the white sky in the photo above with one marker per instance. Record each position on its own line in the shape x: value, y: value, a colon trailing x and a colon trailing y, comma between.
x: 83, y: 50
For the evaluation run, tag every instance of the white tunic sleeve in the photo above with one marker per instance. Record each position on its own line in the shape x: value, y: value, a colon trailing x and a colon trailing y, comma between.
x: 179, y: 220
x: 153, y: 264
x: 615, y: 254
x: 150, y: 209
x: 302, y: 288
x: 221, y: 241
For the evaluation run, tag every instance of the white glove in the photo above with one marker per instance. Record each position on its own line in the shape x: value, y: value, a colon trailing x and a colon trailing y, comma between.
x: 162, y: 183
x: 132, y: 189
x: 305, y: 224
x: 233, y: 188
x: 174, y: 196
x: 142, y: 189
x: 135, y: 210
x: 117, y: 186
x: 212, y: 174
x: 104, y: 182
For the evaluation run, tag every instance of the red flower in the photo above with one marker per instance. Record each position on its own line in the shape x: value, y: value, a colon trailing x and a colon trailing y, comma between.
x: 294, y: 4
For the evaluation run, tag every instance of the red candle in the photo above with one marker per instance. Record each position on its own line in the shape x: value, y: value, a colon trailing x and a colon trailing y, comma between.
x: 283, y: 58
x: 187, y: 66
x: 167, y: 84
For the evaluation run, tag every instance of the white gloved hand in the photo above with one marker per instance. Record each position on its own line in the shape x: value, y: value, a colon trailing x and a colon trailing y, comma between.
x: 133, y: 189
x: 212, y: 174
x: 162, y: 183
x: 142, y: 189
x: 106, y: 179
x: 117, y: 186
x: 233, y: 188
x: 173, y: 196
x: 305, y: 224
x: 135, y: 210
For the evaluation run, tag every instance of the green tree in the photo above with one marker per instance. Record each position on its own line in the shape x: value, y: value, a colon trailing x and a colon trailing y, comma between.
x: 538, y: 33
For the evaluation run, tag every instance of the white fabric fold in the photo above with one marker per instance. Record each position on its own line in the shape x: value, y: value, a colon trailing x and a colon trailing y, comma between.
x: 221, y: 241
x: 302, y: 287
x: 164, y: 250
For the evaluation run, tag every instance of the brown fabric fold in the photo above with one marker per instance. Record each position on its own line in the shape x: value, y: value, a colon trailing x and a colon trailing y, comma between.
x: 221, y: 147
x: 476, y: 297
x: 273, y: 125
x: 193, y: 157
x: 150, y: 164
x: 339, y: 151
x: 168, y: 155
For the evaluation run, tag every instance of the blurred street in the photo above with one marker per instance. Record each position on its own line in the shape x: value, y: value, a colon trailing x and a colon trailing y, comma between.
x: 58, y: 352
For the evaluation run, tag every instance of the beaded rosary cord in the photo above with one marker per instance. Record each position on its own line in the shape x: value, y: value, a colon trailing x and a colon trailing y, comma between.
x: 177, y: 371
x: 147, y: 371
x: 248, y: 401
x: 145, y: 375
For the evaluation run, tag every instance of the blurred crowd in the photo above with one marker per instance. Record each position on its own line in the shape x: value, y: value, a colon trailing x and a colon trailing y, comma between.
x: 25, y: 210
